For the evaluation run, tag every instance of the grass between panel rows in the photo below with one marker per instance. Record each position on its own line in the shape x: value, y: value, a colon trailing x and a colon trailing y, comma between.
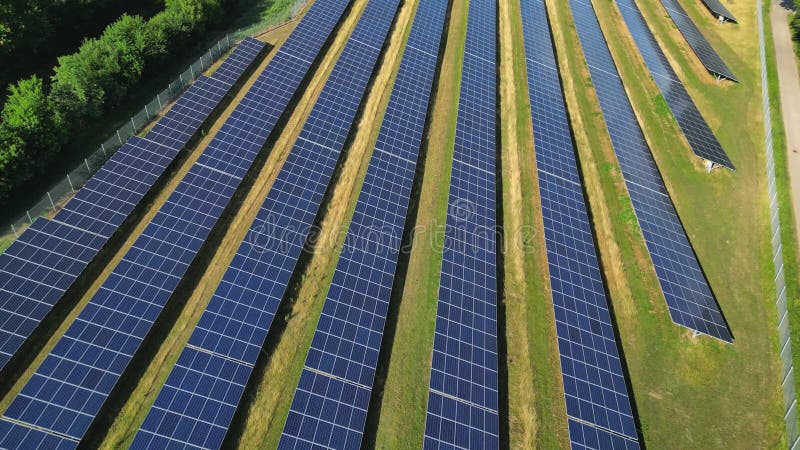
x: 536, y: 408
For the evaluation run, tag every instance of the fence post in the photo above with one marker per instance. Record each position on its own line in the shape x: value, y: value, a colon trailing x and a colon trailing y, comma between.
x: 146, y: 112
x: 134, y: 125
x: 71, y: 186
x: 51, y: 200
x: 119, y: 137
x: 14, y: 230
x: 160, y: 106
x: 181, y: 77
x: 86, y: 160
x: 103, y: 147
x: 202, y: 64
x: 29, y: 216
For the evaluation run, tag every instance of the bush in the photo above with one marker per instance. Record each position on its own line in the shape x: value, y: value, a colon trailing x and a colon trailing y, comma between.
x: 796, y: 26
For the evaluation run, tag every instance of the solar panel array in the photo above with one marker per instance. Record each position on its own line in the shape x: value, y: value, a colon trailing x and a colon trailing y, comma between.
x: 182, y: 121
x: 331, y: 401
x: 719, y: 10
x: 45, y: 261
x: 463, y: 400
x: 688, y: 294
x: 701, y: 138
x: 67, y: 391
x: 701, y: 47
x: 198, y: 401
x: 596, y: 395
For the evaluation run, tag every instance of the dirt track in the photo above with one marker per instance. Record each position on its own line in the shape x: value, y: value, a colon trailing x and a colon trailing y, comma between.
x: 790, y: 96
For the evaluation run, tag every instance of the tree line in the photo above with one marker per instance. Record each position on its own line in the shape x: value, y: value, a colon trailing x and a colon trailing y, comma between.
x: 39, y: 115
x: 33, y: 33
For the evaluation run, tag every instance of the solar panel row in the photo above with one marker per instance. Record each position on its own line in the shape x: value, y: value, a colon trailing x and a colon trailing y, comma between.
x: 701, y: 138
x: 67, y: 391
x: 196, y: 405
x: 719, y: 10
x: 688, y: 294
x: 701, y: 47
x: 44, y: 262
x: 331, y: 401
x: 596, y: 395
x: 183, y: 120
x: 463, y: 395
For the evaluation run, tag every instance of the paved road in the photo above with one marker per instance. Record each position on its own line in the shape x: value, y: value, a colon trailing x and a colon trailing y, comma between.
x: 790, y: 95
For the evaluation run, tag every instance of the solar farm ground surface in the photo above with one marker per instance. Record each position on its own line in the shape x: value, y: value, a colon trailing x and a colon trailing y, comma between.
x: 689, y: 392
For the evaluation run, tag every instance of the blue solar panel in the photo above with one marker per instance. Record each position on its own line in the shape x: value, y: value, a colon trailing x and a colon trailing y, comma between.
x: 463, y: 399
x: 595, y: 391
x: 701, y: 138
x: 701, y: 47
x: 688, y: 294
x: 344, y: 349
x: 238, y: 61
x: 21, y: 437
x: 68, y: 389
x: 719, y: 10
x: 586, y: 437
x: 192, y: 109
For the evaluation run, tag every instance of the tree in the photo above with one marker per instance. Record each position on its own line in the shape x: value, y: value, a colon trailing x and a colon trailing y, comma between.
x: 29, y: 116
x: 195, y: 13
x: 74, y: 91
x: 11, y: 155
x: 30, y: 134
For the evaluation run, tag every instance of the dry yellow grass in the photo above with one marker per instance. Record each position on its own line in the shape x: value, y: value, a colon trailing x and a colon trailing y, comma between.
x: 521, y: 394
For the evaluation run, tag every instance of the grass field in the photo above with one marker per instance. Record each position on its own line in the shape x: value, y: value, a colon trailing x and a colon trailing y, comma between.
x: 690, y: 392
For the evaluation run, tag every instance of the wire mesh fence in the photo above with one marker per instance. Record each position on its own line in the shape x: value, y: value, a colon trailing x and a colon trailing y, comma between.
x: 784, y: 338
x: 58, y: 194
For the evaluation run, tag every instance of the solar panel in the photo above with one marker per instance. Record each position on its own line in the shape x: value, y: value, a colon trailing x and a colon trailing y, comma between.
x: 594, y: 381
x: 101, y: 206
x: 462, y: 398
x: 701, y: 47
x: 238, y: 61
x: 330, y: 403
x: 42, y: 264
x: 719, y: 10
x: 182, y: 121
x: 701, y: 138
x: 67, y: 391
x: 584, y: 436
x: 686, y: 290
